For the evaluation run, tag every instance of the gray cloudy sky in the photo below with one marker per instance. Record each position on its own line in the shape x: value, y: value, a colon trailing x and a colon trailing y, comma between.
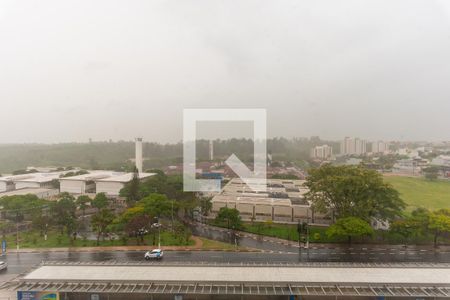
x: 70, y: 70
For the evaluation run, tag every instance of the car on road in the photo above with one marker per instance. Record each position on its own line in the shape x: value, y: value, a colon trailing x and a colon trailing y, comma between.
x: 154, y: 254
x: 3, y: 265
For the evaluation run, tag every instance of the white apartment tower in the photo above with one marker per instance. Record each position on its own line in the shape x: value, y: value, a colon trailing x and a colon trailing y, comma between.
x: 380, y: 147
x: 138, y: 158
x: 322, y: 152
x: 353, y: 146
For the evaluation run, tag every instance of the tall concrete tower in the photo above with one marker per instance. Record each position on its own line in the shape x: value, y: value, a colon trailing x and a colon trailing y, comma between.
x: 211, y: 150
x: 139, y: 154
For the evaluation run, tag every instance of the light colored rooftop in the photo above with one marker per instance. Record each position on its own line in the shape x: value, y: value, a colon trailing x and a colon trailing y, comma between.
x: 126, y: 177
x: 247, y: 274
x: 106, y: 176
x: 94, y: 175
x: 33, y: 177
x: 237, y: 191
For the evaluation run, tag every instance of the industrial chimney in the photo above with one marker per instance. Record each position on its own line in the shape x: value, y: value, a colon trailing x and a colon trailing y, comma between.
x: 139, y: 154
x: 211, y: 150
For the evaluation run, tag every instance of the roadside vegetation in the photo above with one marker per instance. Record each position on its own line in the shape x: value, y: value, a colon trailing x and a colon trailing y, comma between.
x: 155, y: 211
x: 353, y: 197
x: 152, y: 214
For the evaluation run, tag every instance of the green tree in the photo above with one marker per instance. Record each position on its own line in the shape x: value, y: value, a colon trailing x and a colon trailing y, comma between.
x: 100, y: 222
x: 5, y: 227
x: 170, y: 186
x: 133, y: 193
x: 16, y: 208
x: 352, y: 191
x: 431, y: 173
x: 63, y: 213
x: 205, y: 205
x: 138, y: 226
x: 230, y: 217
x: 156, y: 205
x: 349, y: 227
x: 82, y: 203
x: 439, y: 223
x: 41, y: 222
x: 406, y: 228
x: 100, y: 201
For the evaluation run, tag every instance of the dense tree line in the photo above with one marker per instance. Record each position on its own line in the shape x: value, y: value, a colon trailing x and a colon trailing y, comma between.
x: 116, y: 155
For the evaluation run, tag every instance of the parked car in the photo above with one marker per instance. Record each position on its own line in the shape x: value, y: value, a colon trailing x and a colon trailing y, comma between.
x: 3, y: 265
x: 154, y: 254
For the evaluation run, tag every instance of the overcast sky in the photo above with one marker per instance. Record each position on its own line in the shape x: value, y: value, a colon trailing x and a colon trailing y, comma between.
x: 73, y: 70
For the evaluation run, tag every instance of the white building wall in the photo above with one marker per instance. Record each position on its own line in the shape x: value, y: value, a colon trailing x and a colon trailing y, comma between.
x: 109, y: 188
x: 24, y: 185
x: 72, y: 186
x: 3, y: 186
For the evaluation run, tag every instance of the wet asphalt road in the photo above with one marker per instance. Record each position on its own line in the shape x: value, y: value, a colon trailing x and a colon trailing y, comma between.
x: 328, y: 252
x: 22, y: 262
x: 272, y: 251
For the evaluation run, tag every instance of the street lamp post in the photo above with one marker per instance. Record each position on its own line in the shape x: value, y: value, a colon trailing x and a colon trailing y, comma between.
x: 17, y: 236
x: 172, y: 215
x: 159, y: 236
x: 158, y: 225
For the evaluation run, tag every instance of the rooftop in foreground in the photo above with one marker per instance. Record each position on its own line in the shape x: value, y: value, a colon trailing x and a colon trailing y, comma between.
x: 239, y: 274
x: 345, y: 280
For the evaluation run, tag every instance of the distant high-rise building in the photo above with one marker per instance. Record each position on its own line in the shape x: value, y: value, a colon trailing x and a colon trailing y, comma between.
x: 322, y: 152
x: 353, y: 146
x: 380, y: 147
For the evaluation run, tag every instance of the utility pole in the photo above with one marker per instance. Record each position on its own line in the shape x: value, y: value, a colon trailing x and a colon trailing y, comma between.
x: 17, y: 231
x: 159, y: 236
x: 172, y: 215
x: 307, y: 234
x: 299, y: 230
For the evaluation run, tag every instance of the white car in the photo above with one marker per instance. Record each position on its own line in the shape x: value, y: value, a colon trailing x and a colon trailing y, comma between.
x: 154, y: 254
x: 3, y: 265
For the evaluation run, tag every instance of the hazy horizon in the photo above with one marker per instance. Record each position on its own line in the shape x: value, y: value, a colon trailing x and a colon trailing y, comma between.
x: 70, y: 71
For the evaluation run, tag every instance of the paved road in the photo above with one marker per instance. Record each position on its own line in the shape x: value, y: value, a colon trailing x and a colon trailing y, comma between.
x: 329, y: 252
x: 22, y: 262
x: 274, y: 251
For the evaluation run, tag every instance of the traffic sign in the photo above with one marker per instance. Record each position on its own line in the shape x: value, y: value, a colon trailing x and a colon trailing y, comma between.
x: 3, y: 247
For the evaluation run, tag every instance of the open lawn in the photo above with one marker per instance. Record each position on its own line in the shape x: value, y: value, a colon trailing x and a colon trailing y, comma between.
x: 32, y: 239
x: 419, y: 192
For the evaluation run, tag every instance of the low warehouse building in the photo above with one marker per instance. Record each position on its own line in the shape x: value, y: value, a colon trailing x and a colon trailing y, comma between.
x: 108, y: 182
x: 282, y: 202
x: 32, y: 180
x: 41, y: 193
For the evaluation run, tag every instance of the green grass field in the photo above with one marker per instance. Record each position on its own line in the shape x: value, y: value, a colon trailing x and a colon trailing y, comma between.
x: 419, y: 192
x: 32, y: 239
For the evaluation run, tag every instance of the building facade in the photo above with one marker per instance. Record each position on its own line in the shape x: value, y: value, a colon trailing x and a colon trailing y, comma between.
x: 322, y: 152
x: 380, y: 147
x: 353, y: 146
